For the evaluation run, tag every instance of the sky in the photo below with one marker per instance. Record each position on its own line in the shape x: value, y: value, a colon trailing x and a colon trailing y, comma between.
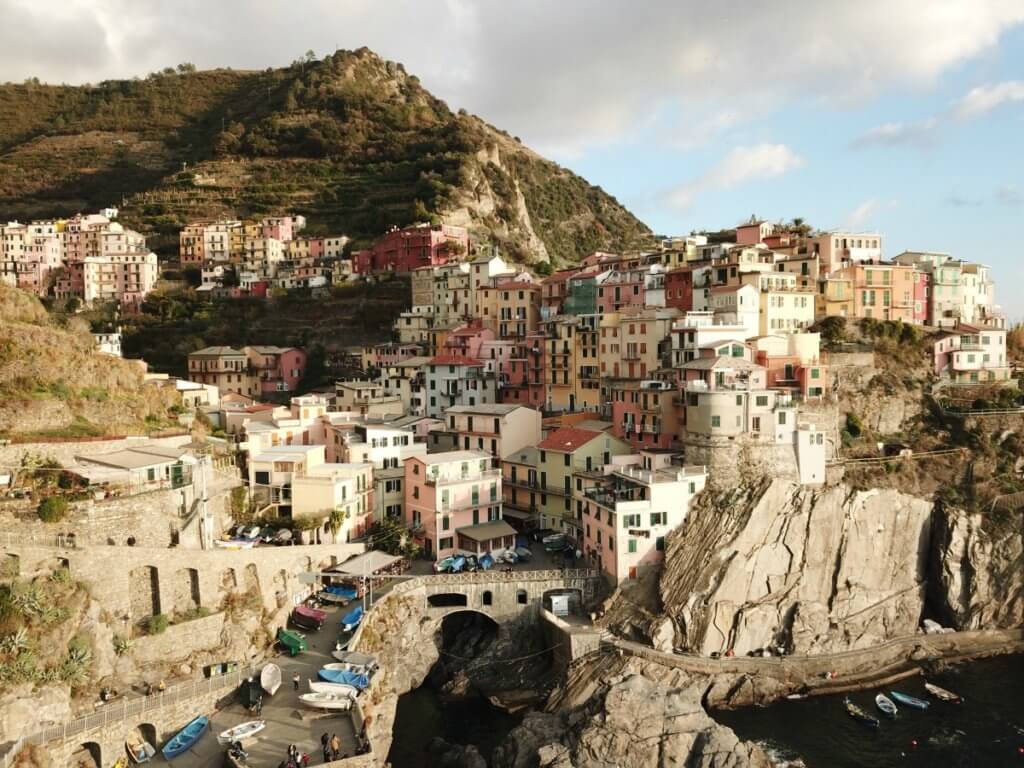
x: 904, y: 117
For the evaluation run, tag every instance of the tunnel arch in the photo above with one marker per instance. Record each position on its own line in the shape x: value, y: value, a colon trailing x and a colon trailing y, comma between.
x: 89, y: 754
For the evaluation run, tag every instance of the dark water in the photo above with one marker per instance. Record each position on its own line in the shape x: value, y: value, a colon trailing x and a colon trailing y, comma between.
x: 422, y: 715
x: 987, y: 729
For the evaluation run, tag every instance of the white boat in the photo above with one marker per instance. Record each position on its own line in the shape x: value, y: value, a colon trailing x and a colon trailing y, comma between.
x: 337, y: 689
x: 941, y: 693
x: 885, y: 704
x: 355, y: 669
x: 233, y: 543
x: 270, y: 678
x: 326, y: 701
x: 242, y: 731
x: 354, y: 657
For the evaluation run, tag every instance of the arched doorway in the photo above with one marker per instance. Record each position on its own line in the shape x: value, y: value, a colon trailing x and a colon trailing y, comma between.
x: 88, y: 755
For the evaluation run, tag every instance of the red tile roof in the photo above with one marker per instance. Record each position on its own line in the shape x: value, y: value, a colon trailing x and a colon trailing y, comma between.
x: 455, y: 360
x: 567, y: 439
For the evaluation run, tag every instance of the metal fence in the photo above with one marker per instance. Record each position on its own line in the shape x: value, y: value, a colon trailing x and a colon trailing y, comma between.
x: 130, y: 709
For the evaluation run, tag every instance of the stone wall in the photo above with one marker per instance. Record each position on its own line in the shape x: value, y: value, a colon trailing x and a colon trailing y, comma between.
x: 65, y: 452
x: 180, y: 641
x: 569, y: 643
x: 121, y: 578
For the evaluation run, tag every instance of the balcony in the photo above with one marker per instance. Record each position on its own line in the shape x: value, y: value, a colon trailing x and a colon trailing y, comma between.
x: 469, y: 477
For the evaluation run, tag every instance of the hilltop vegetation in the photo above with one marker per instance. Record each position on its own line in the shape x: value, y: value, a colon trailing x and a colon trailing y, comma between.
x: 353, y: 142
x: 54, y: 383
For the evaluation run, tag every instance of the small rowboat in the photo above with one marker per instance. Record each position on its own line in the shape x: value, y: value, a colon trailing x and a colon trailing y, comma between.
x: 242, y: 731
x: 338, y: 689
x: 359, y: 659
x: 941, y: 693
x: 270, y: 678
x: 908, y: 700
x: 885, y: 704
x: 139, y: 750
x: 186, y: 738
x: 326, y: 701
x: 860, y: 715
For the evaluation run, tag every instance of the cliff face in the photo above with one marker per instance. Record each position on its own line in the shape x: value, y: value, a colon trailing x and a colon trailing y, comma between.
x: 978, y: 568
x: 622, y: 711
x: 814, y: 570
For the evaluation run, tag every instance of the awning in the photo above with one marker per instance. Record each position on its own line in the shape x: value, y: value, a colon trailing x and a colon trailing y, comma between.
x: 487, y: 531
x: 518, y: 514
x: 366, y: 564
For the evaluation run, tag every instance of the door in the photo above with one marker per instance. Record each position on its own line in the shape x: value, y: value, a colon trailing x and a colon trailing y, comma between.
x: 632, y: 572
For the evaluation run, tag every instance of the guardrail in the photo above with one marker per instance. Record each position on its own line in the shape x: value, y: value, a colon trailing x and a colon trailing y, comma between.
x: 114, y: 713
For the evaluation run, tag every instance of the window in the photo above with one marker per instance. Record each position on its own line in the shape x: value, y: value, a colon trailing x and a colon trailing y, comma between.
x: 631, y: 546
x: 815, y: 373
x: 762, y: 401
x: 262, y: 478
x: 415, y: 491
x: 716, y: 421
x: 631, y: 521
x: 543, y: 456
x: 659, y: 518
x: 659, y: 544
x: 782, y: 417
x: 445, y: 543
x: 445, y: 523
x: 415, y: 469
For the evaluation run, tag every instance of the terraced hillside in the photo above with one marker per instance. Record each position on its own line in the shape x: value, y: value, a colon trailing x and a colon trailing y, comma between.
x: 353, y: 142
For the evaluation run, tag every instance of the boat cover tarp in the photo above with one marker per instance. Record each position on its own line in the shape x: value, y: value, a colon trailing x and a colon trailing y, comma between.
x: 359, y: 682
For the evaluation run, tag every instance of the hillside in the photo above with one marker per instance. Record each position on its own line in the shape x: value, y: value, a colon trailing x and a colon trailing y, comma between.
x: 53, y: 383
x: 353, y: 142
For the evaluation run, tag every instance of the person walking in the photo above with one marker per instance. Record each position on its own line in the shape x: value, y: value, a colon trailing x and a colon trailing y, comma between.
x: 335, y: 746
x: 259, y: 706
x: 295, y: 681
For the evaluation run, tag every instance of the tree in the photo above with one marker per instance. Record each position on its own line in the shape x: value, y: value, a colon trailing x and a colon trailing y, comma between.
x: 52, y: 509
x: 186, y: 68
x: 391, y: 536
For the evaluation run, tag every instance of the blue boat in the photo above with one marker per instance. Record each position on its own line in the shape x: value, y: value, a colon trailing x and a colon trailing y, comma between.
x: 351, y: 620
x: 342, y: 591
x: 359, y: 682
x: 910, y: 701
x: 458, y: 564
x: 487, y: 562
x: 186, y: 737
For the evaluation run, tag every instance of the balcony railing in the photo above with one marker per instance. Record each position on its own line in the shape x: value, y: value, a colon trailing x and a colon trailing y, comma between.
x: 469, y: 477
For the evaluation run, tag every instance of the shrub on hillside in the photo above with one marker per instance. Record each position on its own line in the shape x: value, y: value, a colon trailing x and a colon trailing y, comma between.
x: 156, y: 625
x: 52, y: 509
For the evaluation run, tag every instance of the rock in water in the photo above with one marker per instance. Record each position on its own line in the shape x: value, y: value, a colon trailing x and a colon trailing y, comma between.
x: 814, y: 570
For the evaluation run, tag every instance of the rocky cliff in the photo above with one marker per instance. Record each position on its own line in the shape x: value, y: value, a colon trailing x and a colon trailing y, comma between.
x: 812, y: 570
x: 623, y: 712
x: 978, y: 568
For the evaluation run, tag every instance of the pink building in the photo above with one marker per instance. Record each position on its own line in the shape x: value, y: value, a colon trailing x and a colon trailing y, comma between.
x: 922, y: 296
x: 679, y: 288
x: 278, y: 369
x: 644, y: 414
x: 753, y: 232
x: 453, y: 504
x: 622, y: 289
x: 467, y: 340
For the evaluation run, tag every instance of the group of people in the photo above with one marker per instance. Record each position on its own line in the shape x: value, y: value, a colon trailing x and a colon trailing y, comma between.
x: 296, y: 758
x: 332, y: 748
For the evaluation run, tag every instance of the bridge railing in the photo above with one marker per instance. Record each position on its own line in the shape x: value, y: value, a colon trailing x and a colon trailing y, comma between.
x: 130, y: 709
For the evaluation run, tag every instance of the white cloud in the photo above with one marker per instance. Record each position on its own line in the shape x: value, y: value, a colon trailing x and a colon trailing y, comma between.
x: 564, y: 74
x: 742, y: 164
x: 693, y: 133
x: 866, y: 211
x: 917, y: 134
x: 985, y: 98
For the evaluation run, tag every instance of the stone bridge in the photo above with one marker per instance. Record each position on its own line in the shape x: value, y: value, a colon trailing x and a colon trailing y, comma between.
x: 502, y: 596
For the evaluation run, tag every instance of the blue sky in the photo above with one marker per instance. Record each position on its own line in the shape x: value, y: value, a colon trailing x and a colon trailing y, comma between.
x: 906, y: 117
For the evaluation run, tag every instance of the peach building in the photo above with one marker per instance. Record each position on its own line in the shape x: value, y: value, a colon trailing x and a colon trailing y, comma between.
x: 452, y: 503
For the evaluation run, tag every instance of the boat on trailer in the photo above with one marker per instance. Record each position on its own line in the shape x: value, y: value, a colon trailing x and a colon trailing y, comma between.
x: 326, y: 701
x: 241, y: 731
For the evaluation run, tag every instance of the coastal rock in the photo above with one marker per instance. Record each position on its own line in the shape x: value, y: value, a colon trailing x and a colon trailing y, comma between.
x: 775, y: 564
x: 24, y: 708
x: 625, y: 713
x: 978, y: 578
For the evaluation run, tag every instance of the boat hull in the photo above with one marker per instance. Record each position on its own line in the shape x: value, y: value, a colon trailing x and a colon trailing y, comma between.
x: 139, y: 751
x: 270, y: 678
x: 241, y: 732
x: 941, y: 693
x: 186, y: 738
x: 884, y: 703
x: 325, y: 701
x: 338, y: 689
x: 910, y: 701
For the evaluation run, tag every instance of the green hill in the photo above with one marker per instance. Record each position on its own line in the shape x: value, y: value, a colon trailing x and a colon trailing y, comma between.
x: 353, y: 142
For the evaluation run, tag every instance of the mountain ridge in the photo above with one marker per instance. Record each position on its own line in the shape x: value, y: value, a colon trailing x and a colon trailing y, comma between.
x: 352, y: 141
